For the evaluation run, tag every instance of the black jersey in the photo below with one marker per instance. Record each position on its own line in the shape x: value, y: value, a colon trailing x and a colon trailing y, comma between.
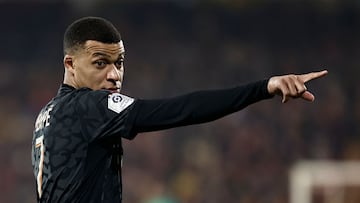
x: 76, y: 147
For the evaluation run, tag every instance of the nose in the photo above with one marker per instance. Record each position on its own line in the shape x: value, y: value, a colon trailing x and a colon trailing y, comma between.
x: 115, y: 74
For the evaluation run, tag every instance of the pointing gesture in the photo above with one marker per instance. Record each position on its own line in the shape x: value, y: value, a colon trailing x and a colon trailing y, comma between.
x: 293, y: 86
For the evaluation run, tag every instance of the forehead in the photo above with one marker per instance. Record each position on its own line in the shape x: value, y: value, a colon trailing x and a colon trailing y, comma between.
x: 94, y: 47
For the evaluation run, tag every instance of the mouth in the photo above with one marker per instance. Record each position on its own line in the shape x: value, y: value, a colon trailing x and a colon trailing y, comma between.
x: 113, y: 90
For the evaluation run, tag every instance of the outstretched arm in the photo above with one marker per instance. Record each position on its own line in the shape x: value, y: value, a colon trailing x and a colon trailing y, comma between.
x: 293, y: 86
x: 195, y: 107
x: 205, y: 106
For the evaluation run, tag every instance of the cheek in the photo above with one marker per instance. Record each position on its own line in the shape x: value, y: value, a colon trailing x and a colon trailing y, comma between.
x: 121, y: 72
x: 90, y: 77
x: 96, y: 77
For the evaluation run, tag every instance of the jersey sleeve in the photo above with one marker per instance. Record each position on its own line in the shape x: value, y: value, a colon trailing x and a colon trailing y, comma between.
x: 103, y: 114
x: 196, y: 107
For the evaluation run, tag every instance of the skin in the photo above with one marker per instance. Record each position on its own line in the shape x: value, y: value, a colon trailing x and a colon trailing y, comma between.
x: 100, y: 66
x: 96, y: 65
x: 293, y: 86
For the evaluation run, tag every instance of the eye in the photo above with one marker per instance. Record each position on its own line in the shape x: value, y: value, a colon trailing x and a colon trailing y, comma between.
x: 100, y: 63
x: 119, y: 63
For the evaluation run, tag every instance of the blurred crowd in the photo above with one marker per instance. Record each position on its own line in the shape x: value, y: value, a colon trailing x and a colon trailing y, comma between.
x: 172, y: 49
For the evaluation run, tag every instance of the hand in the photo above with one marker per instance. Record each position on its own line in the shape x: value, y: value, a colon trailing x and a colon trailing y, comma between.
x: 293, y: 86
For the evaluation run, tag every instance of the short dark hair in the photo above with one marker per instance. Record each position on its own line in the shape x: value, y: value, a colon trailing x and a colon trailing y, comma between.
x: 89, y: 28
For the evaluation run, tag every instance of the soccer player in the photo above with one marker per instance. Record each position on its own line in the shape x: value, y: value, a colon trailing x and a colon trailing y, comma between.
x: 76, y: 147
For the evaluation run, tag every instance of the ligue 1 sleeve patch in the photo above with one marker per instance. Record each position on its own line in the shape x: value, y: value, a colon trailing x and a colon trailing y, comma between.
x: 118, y: 102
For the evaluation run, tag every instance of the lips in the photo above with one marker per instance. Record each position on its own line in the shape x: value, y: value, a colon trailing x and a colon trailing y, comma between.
x: 113, y: 90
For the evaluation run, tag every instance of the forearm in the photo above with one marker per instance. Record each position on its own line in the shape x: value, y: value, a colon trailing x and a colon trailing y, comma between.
x: 196, y: 107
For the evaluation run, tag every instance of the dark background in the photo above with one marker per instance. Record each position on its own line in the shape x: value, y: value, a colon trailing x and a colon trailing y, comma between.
x: 174, y: 47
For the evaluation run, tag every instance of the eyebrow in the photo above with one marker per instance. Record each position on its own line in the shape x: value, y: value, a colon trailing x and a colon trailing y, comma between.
x: 96, y: 54
x: 101, y: 54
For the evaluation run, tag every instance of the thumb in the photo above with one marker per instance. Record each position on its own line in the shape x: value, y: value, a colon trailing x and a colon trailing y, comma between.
x: 308, y: 96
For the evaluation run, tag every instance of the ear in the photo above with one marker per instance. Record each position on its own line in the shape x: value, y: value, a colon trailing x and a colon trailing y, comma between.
x: 69, y: 63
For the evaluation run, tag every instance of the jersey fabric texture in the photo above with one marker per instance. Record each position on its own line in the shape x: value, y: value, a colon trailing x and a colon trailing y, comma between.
x: 76, y: 147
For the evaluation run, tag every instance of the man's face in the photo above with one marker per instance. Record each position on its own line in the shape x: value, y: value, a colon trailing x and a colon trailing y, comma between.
x: 99, y: 66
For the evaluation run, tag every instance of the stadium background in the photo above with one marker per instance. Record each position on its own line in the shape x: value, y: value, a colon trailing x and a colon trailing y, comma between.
x: 177, y: 46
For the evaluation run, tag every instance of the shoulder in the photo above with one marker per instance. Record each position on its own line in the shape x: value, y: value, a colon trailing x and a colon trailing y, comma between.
x: 115, y: 102
x: 87, y: 95
x: 118, y: 102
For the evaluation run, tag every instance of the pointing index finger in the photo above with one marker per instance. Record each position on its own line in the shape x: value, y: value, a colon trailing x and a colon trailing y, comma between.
x: 313, y: 75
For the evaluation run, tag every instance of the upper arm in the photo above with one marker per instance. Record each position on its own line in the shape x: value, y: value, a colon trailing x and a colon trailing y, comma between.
x: 103, y: 114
